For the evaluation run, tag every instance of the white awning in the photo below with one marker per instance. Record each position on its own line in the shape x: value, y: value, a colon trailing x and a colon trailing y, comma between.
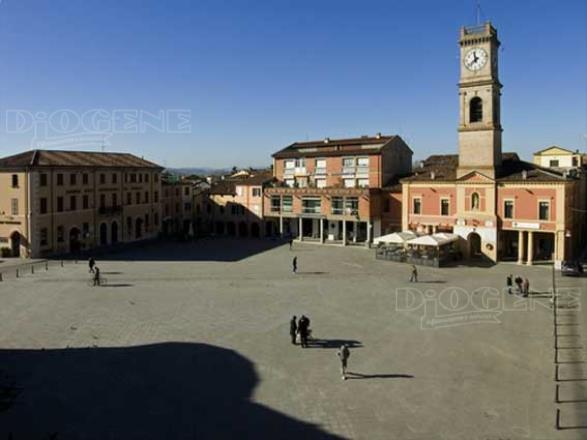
x: 396, y: 238
x: 436, y: 240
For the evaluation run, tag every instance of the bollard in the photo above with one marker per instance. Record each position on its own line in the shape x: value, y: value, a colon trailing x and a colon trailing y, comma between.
x: 32, y: 268
x: 16, y: 273
x: 1, y: 277
x: 46, y: 265
x: 558, y: 419
x: 61, y: 263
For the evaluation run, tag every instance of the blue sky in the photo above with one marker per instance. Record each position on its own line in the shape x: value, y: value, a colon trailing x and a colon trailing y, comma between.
x: 255, y: 76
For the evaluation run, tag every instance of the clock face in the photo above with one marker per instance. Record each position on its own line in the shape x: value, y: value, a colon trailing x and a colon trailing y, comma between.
x: 475, y: 59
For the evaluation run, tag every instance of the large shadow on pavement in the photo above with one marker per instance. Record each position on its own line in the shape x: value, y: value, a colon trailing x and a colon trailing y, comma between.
x: 161, y: 391
x: 209, y: 249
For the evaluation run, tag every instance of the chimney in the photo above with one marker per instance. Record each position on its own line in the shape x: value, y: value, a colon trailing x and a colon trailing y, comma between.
x: 524, y: 175
x: 326, y: 140
x: 378, y: 135
x: 432, y: 175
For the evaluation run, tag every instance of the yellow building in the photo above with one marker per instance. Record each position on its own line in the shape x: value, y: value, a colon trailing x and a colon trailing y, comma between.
x: 58, y: 202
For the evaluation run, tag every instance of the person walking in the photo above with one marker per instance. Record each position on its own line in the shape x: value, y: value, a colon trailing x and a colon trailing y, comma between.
x: 518, y: 281
x: 91, y: 264
x: 96, y: 276
x: 414, y: 276
x: 509, y: 282
x: 343, y: 354
x: 290, y: 243
x: 303, y: 325
x: 294, y: 264
x: 526, y: 287
x: 293, y: 329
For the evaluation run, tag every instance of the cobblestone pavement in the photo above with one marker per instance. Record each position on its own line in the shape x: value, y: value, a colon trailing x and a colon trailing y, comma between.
x: 191, y: 341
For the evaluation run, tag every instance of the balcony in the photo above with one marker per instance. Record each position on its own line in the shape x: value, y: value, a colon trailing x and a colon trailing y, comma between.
x: 320, y: 171
x: 311, y: 210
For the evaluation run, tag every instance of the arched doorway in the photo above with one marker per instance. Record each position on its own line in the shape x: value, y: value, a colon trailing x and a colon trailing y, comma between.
x: 138, y: 227
x: 74, y: 242
x: 15, y: 240
x: 255, y: 230
x: 103, y: 234
x: 242, y: 229
x: 129, y: 227
x: 474, y: 245
x: 114, y: 232
x: 231, y: 229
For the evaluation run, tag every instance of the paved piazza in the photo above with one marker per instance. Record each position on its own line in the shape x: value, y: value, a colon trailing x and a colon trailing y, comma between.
x: 191, y: 341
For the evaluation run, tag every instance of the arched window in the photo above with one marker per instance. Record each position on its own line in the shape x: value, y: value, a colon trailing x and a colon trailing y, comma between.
x: 475, y: 110
x: 475, y: 202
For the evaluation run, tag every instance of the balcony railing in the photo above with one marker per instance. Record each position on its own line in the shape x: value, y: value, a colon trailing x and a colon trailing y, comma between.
x: 320, y: 171
x: 311, y: 210
x: 286, y: 208
x: 275, y: 209
x: 337, y: 211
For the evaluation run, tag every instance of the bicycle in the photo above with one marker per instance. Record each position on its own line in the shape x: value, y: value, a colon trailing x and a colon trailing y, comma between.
x: 102, y: 282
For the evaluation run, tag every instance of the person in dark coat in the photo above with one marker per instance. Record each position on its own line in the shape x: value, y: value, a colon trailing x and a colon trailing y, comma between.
x: 295, y: 264
x: 509, y: 282
x: 526, y: 287
x: 518, y: 282
x: 97, y: 276
x: 303, y: 327
x: 293, y: 329
x: 91, y: 264
x: 290, y: 243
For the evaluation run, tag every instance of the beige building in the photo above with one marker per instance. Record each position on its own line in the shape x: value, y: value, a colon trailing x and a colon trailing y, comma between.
x: 234, y: 207
x: 558, y: 157
x: 57, y: 202
x: 177, y: 206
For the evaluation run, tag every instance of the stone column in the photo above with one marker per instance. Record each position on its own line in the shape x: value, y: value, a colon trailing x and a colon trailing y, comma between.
x: 321, y: 230
x: 521, y: 247
x: 280, y: 225
x: 530, y: 248
x: 354, y: 231
x: 344, y: 232
x: 368, y: 233
x: 300, y: 229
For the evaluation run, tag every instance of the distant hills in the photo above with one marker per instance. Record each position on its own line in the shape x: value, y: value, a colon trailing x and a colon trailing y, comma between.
x: 199, y: 171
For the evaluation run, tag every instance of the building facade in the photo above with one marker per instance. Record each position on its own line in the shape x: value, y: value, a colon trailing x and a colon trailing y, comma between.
x: 501, y: 207
x: 337, y: 191
x: 177, y: 205
x: 234, y: 206
x: 57, y: 202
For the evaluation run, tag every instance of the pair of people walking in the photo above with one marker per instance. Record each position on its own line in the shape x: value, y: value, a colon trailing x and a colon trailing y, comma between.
x: 522, y: 285
x: 301, y: 329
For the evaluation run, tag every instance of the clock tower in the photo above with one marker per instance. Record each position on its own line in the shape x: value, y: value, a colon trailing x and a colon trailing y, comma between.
x: 479, y: 96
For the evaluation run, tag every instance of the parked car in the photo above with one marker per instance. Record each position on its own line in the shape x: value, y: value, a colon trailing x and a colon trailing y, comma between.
x: 572, y: 268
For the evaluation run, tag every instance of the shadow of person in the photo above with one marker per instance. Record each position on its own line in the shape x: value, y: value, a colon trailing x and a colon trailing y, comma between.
x: 351, y: 375
x: 333, y: 343
x: 160, y: 391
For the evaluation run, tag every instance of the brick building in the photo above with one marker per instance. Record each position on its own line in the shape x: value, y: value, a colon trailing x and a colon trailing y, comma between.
x: 338, y: 191
x: 500, y: 206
